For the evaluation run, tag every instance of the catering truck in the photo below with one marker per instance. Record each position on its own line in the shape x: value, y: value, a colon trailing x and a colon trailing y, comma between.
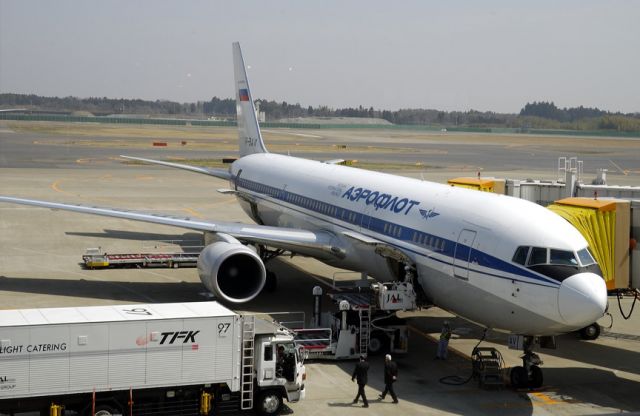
x: 172, y: 359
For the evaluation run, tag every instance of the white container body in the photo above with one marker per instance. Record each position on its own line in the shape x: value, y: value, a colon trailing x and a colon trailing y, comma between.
x: 76, y: 350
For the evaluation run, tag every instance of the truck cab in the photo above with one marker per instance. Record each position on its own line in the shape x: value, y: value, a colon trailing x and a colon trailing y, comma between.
x: 280, y: 372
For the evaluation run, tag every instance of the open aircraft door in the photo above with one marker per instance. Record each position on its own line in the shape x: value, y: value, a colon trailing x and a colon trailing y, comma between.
x: 462, y: 253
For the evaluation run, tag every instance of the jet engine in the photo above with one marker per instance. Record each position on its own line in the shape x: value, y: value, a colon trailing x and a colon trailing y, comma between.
x: 231, y: 271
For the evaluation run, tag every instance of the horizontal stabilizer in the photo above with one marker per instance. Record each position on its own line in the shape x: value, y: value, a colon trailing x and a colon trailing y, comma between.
x: 362, y: 238
x: 218, y: 173
x: 227, y: 191
x: 334, y: 162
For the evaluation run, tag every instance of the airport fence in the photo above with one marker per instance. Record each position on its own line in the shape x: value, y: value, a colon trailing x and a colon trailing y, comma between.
x: 313, y: 126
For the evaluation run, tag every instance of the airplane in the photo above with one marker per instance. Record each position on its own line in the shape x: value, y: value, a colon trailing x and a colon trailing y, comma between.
x: 504, y: 263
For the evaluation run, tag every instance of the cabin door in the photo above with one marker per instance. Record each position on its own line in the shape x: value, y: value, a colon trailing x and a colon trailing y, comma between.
x: 462, y: 253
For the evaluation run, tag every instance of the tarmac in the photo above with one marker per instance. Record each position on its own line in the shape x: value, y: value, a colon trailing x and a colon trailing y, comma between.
x: 40, y: 252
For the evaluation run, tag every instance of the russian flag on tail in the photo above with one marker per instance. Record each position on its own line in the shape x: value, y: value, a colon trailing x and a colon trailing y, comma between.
x: 244, y: 94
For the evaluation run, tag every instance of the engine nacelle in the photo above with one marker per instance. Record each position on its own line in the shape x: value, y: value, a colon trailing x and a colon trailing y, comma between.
x: 231, y: 271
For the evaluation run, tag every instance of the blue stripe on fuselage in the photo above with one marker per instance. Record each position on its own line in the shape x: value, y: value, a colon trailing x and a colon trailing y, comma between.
x: 415, y: 237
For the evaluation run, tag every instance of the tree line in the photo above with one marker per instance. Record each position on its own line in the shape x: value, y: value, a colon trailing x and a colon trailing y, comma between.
x: 534, y: 115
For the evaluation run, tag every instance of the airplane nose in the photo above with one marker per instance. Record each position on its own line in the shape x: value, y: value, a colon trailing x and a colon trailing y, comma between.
x: 582, y: 299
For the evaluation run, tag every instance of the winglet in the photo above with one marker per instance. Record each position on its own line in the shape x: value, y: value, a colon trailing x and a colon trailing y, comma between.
x: 249, y: 137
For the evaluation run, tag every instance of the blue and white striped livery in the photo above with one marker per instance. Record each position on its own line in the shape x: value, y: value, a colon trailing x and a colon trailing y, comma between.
x: 502, y: 262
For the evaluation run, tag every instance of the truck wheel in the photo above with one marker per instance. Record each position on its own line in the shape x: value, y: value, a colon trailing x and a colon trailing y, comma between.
x: 378, y: 343
x: 590, y: 332
x: 269, y: 403
x: 102, y: 410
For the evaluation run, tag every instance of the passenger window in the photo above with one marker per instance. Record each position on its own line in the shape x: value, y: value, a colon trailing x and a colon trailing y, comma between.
x: 538, y: 256
x: 520, y: 256
x: 562, y: 257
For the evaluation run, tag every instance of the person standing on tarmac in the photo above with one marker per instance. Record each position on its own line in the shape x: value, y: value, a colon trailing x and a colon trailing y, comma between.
x: 390, y: 377
x: 360, y: 374
x: 443, y: 344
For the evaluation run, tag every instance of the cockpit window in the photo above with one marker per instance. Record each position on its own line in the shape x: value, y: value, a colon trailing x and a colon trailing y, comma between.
x: 538, y: 256
x: 585, y: 257
x: 562, y: 257
x: 520, y: 256
x: 554, y: 263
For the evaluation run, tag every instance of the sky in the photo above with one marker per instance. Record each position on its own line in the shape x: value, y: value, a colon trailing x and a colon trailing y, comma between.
x: 447, y: 55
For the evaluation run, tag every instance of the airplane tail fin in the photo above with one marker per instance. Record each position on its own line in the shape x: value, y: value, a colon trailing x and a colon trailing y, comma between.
x: 249, y: 136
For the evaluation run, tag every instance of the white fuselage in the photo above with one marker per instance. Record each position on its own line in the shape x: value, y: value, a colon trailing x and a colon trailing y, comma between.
x: 461, y: 241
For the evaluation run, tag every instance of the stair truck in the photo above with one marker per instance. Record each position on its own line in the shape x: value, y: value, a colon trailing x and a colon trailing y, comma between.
x: 365, y: 323
x: 195, y: 358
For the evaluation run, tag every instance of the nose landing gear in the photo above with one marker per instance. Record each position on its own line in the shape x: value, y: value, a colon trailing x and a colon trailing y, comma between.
x: 529, y: 375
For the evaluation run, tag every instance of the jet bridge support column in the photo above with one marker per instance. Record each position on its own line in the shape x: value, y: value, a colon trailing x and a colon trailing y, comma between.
x: 317, y: 306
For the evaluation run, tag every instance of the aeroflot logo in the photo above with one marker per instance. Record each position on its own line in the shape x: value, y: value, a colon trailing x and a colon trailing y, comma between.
x: 379, y: 200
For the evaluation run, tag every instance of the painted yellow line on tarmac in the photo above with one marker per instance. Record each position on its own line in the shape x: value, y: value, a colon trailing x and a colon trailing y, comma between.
x: 543, y: 399
x: 193, y: 212
x: 56, y: 187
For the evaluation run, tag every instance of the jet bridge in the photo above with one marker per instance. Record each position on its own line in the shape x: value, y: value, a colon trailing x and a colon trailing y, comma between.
x: 605, y: 224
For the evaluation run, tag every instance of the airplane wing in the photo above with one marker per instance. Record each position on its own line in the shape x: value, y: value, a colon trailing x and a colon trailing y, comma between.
x: 218, y: 173
x: 312, y: 243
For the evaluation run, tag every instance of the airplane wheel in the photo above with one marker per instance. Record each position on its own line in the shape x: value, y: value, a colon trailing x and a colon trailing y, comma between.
x: 536, y: 377
x: 518, y: 377
x: 272, y: 282
x: 590, y: 332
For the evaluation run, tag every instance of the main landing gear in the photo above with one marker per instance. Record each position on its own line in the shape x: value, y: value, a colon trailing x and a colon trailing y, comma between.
x: 266, y: 254
x: 590, y: 332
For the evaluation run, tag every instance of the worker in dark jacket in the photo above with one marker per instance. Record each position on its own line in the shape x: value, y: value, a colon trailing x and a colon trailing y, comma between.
x: 360, y: 374
x: 390, y: 377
